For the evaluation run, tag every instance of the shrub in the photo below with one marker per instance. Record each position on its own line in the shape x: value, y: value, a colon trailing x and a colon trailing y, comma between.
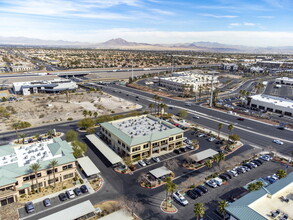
x: 69, y: 119
x: 64, y: 187
x: 81, y: 181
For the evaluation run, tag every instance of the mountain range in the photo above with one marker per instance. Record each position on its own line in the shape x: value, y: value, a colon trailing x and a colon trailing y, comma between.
x: 120, y: 43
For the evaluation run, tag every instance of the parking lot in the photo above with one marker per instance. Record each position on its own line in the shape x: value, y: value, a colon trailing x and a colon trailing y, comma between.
x: 225, y: 191
x: 285, y: 91
x: 39, y: 206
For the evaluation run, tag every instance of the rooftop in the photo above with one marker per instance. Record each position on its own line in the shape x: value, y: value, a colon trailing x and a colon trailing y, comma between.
x: 288, y: 103
x: 15, y: 160
x: 150, y: 129
x: 259, y: 204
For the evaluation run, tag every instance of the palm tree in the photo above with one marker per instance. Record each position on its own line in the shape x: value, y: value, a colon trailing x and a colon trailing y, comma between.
x: 16, y: 126
x: 90, y: 113
x: 281, y: 173
x: 84, y: 113
x: 162, y: 106
x: 221, y: 207
x: 198, y: 210
x: 95, y: 114
x: 50, y: 133
x: 200, y: 91
x: 53, y: 164
x: 173, y: 187
x: 167, y: 189
x: 220, y: 126
x: 230, y: 128
x: 151, y: 106
x: 34, y: 168
x: 23, y: 135
x: 208, y: 164
x: 216, y: 158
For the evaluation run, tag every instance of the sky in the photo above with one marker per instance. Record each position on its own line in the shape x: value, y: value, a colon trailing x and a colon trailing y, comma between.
x: 239, y: 22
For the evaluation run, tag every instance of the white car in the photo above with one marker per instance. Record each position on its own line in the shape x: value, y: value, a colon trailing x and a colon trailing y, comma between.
x: 180, y: 198
x: 278, y: 142
x: 201, y: 135
x: 190, y: 147
x: 265, y: 157
x: 211, y: 139
x: 212, y: 183
x: 141, y: 163
x: 156, y: 159
x: 196, y: 117
x: 70, y: 194
x: 232, y: 172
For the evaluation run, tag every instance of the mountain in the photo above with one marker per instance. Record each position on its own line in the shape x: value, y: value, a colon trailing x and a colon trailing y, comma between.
x: 119, y: 43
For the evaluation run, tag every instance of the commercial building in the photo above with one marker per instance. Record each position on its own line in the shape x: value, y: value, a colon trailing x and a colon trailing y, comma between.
x: 284, y: 80
x: 230, y: 66
x: 187, y: 81
x: 22, y: 67
x: 271, y: 104
x: 44, y: 86
x: 141, y: 136
x: 16, y: 177
x: 263, y: 203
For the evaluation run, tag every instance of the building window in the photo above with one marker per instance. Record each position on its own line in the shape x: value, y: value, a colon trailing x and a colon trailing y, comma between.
x: 171, y: 138
x: 51, y: 171
x: 179, y: 136
x: 26, y: 178
x: 68, y: 176
x: 164, y: 142
x: 67, y: 167
x: 39, y: 174
x: 34, y: 186
x: 155, y: 144
x: 52, y: 180
x: 135, y: 149
x: 178, y: 143
x: 145, y: 146
x: 119, y: 142
x: 21, y: 192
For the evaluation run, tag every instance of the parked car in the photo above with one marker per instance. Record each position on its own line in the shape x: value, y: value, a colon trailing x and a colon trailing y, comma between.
x: 192, y: 194
x: 224, y: 177
x: 211, y: 139
x: 147, y: 162
x: 278, y: 142
x: 29, y: 207
x: 84, y: 189
x: 180, y: 198
x: 77, y: 191
x: 176, y: 151
x: 70, y: 194
x: 47, y: 202
x: 182, y: 149
x: 265, y: 157
x: 240, y: 170
x: 248, y: 165
x: 219, y: 142
x: 156, y: 159
x: 254, y: 165
x: 270, y: 179
x: 62, y: 197
x: 190, y: 147
x: 141, y: 163
x: 257, y: 161
x: 202, y: 188
x: 232, y: 172
x: 211, y: 183
x: 201, y: 135
x: 198, y: 191
x: 218, y: 181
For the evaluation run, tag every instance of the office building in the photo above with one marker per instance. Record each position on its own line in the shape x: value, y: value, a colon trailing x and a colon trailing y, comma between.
x: 141, y: 136
x: 284, y: 81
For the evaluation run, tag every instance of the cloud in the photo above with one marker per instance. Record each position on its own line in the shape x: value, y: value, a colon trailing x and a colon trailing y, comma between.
x: 162, y: 12
x: 219, y: 16
x: 235, y: 24
x: 249, y: 24
x: 266, y: 17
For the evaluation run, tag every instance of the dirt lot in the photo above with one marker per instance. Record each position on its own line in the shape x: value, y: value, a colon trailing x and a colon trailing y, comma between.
x: 40, y: 109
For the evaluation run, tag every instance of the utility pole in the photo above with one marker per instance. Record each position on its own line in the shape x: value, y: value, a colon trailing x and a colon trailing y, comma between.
x: 172, y: 65
x: 132, y: 70
x: 212, y: 89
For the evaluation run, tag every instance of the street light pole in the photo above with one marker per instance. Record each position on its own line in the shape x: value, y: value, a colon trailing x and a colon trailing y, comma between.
x: 212, y: 85
x: 132, y: 70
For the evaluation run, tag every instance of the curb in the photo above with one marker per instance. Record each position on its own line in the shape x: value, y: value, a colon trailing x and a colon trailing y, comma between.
x: 168, y: 212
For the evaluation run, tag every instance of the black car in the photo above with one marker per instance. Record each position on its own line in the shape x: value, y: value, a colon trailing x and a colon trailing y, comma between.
x: 182, y: 149
x: 84, y: 189
x: 224, y: 177
x: 197, y: 191
x: 248, y: 165
x: 62, y: 197
x: 176, y: 151
x: 202, y: 188
x: 228, y: 175
x: 47, y: 202
x: 147, y: 162
x: 219, y: 142
x: 257, y: 162
x: 192, y: 194
x: 77, y: 191
x: 29, y: 207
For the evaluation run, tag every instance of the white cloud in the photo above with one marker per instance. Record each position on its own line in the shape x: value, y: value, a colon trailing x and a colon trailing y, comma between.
x: 162, y: 12
x: 219, y: 16
x: 268, y: 17
x: 249, y: 24
x: 235, y: 24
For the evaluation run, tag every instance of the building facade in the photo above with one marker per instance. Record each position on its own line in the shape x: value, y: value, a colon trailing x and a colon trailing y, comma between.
x: 284, y: 81
x: 45, y: 86
x: 16, y: 177
x: 142, y: 136
x: 271, y: 104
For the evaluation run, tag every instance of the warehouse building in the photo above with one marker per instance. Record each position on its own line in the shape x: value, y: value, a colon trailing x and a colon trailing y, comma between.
x: 16, y: 176
x: 44, y: 86
x: 284, y: 81
x: 141, y: 136
x: 271, y: 104
x: 271, y: 202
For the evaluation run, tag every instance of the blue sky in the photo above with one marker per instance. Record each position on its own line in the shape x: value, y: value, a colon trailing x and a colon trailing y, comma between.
x: 245, y: 22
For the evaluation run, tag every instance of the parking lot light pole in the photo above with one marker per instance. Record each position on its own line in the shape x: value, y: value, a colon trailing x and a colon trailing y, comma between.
x: 212, y: 85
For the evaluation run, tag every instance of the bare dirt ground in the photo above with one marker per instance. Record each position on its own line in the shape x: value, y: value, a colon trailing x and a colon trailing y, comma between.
x: 40, y: 109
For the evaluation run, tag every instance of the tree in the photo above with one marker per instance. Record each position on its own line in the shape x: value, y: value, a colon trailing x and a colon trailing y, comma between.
x: 172, y: 164
x: 84, y: 113
x: 230, y: 128
x: 23, y: 135
x: 16, y: 126
x: 50, y: 133
x: 194, y: 143
x: 199, y: 210
x: 215, y: 96
x: 208, y: 164
x: 86, y: 123
x: 90, y: 113
x: 127, y: 161
x: 220, y: 126
x: 34, y: 168
x: 182, y: 113
x: 79, y: 148
x: 234, y: 137
x: 71, y: 135
x: 95, y: 114
x: 53, y: 164
x: 221, y: 207
x: 216, y: 158
x: 151, y: 106
x: 281, y: 173
x: 170, y: 187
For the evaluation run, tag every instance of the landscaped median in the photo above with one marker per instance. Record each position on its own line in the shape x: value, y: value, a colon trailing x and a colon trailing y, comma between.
x: 168, y: 207
x: 97, y: 183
